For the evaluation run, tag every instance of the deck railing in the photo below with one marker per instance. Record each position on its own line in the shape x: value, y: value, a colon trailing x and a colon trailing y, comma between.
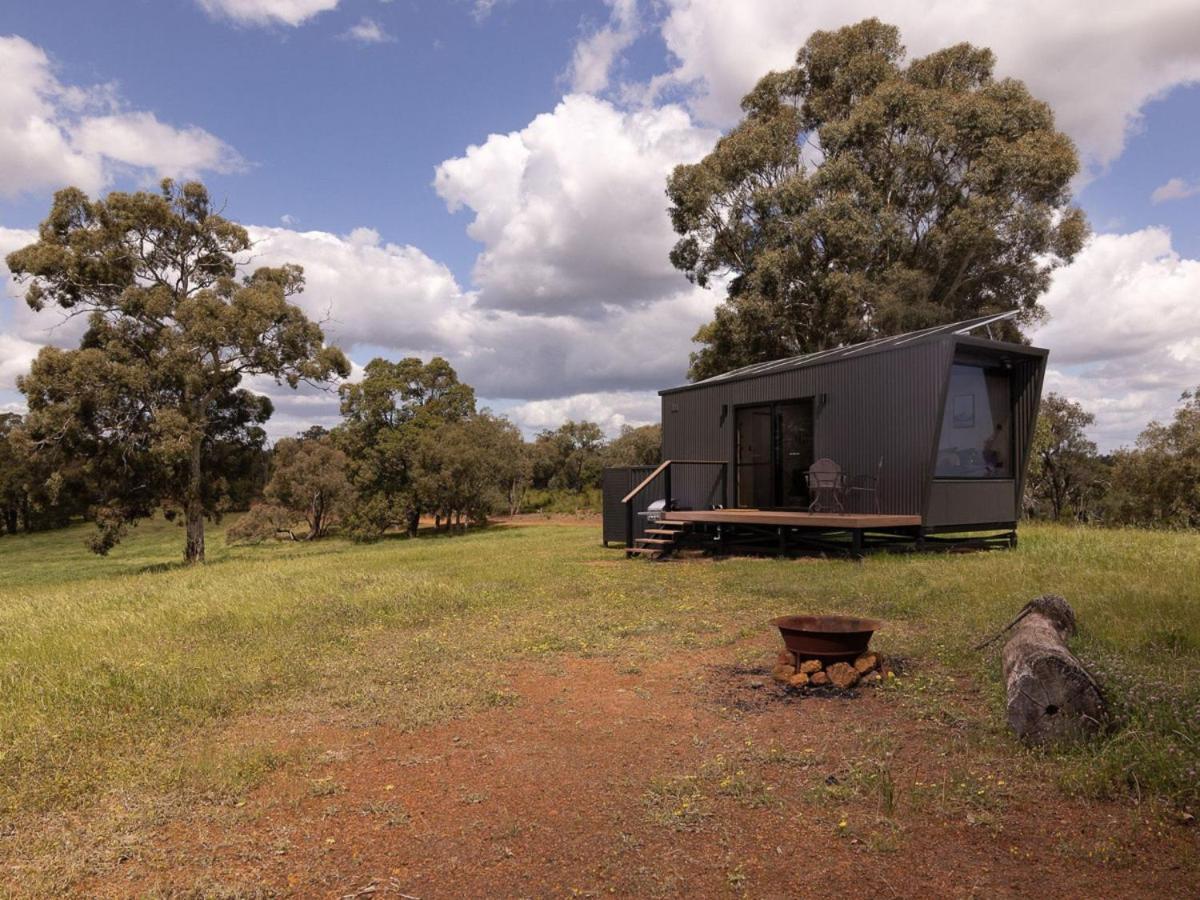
x: 664, y: 469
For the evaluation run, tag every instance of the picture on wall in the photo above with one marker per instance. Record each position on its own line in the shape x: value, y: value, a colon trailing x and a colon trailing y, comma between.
x: 963, y: 412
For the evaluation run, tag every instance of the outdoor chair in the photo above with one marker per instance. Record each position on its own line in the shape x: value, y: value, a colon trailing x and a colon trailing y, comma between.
x: 865, y: 485
x: 825, y: 484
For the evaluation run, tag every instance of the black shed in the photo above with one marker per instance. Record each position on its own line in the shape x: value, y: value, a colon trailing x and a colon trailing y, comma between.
x: 939, y: 421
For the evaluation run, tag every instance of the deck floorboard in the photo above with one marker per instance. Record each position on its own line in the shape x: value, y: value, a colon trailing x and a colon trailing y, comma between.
x: 792, y: 518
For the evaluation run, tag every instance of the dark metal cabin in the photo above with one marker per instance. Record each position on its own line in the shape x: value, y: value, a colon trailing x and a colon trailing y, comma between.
x: 943, y: 416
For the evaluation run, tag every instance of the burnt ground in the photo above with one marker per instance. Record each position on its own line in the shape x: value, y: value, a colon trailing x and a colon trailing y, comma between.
x: 693, y: 775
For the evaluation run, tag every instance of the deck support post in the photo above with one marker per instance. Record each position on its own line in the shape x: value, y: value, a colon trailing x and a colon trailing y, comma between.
x: 628, y: 524
x: 724, y: 485
x: 782, y: 541
x: 856, y: 543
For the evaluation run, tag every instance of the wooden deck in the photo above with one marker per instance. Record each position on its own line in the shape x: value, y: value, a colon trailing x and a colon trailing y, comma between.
x: 792, y: 519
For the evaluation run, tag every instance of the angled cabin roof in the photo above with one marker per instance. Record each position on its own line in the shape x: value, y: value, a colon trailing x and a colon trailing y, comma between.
x: 893, y: 342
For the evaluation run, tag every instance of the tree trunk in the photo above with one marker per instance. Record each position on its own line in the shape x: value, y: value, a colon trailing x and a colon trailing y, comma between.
x: 1051, y: 696
x: 194, y: 507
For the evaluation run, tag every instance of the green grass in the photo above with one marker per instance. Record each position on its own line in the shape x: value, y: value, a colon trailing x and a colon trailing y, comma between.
x: 119, y: 673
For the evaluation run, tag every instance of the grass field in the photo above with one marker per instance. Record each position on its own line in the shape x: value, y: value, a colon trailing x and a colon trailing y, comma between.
x: 117, y: 672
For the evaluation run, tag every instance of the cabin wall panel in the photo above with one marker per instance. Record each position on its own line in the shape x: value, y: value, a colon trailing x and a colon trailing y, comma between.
x: 882, y: 404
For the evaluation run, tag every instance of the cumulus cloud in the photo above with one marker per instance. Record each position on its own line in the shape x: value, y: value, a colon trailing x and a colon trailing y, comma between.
x: 1096, y: 64
x: 595, y: 54
x: 16, y: 355
x: 267, y: 12
x: 1124, y: 330
x: 571, y: 209
x: 52, y: 134
x: 367, y: 31
x: 365, y: 290
x: 1174, y: 189
x: 612, y: 411
x: 380, y: 297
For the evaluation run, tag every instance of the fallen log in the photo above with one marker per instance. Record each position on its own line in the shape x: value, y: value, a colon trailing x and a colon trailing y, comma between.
x: 1051, y: 697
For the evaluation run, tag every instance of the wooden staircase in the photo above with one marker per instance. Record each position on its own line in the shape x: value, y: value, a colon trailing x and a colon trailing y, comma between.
x: 659, y: 542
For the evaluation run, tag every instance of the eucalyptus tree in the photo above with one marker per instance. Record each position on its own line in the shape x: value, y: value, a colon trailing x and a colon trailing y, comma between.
x: 385, y: 417
x: 150, y: 400
x: 862, y: 196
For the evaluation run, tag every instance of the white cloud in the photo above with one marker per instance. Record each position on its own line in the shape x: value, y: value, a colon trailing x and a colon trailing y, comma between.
x: 1097, y: 64
x: 611, y: 411
x: 1124, y: 331
x: 53, y: 134
x: 1174, y: 189
x: 370, y: 292
x: 140, y: 141
x: 267, y: 12
x: 367, y: 31
x: 593, y: 58
x: 16, y: 355
x: 481, y: 9
x: 571, y: 209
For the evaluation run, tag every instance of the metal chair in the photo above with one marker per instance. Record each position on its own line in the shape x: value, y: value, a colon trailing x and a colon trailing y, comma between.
x: 866, y: 484
x: 825, y: 483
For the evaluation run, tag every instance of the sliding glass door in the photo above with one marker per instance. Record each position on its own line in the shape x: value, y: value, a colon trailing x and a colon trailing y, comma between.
x: 774, y: 451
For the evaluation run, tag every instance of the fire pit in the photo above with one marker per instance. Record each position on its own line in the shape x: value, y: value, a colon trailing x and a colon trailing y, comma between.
x: 827, y: 638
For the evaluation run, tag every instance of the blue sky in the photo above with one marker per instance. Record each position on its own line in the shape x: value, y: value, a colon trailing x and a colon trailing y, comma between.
x: 484, y: 180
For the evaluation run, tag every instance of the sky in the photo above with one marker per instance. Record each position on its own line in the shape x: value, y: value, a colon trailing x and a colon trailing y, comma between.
x: 484, y: 179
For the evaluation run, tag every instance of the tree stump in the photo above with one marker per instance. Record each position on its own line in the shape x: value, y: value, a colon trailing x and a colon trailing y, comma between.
x: 1051, y: 696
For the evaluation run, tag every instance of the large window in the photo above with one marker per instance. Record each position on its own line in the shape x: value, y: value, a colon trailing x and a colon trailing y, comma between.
x: 976, y: 437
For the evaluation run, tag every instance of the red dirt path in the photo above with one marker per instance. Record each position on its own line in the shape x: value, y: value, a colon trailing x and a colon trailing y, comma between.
x: 562, y: 794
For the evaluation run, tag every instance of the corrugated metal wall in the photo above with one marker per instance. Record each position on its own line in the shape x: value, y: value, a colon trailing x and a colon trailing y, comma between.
x: 881, y: 404
x: 615, y: 484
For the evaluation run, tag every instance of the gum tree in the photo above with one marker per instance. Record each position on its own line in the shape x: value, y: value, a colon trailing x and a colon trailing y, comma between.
x: 862, y: 196
x: 150, y: 404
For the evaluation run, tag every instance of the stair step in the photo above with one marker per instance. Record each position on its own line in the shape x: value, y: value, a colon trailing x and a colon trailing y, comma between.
x: 629, y: 551
x: 669, y: 531
x: 659, y: 541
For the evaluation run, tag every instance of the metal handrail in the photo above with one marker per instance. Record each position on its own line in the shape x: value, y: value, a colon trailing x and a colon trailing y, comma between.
x: 665, y: 467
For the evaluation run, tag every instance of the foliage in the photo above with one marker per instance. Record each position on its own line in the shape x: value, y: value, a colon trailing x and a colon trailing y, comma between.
x: 641, y: 446
x: 570, y: 457
x: 261, y: 522
x: 1066, y: 479
x: 386, y: 415
x: 862, y: 197
x: 1158, y: 482
x: 467, y: 468
x: 148, y: 409
x: 308, y: 482
x: 589, y: 501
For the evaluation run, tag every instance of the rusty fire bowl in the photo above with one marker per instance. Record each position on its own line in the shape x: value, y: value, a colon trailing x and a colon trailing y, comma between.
x: 827, y: 638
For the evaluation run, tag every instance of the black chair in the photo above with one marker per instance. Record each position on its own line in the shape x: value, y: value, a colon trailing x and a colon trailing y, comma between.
x: 825, y: 486
x: 867, y: 485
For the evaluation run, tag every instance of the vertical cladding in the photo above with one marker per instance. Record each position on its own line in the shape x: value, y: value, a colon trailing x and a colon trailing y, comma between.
x: 880, y: 404
x: 1027, y: 385
x: 615, y: 484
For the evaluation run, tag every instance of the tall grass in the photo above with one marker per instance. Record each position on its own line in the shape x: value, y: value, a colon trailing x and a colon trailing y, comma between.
x: 113, y: 670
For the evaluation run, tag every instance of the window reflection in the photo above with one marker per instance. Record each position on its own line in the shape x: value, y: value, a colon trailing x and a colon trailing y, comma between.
x: 976, y: 439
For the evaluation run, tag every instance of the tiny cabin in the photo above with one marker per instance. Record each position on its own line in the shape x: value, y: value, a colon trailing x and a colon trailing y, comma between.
x: 905, y: 439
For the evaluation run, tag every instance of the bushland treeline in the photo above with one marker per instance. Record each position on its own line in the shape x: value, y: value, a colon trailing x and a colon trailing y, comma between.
x: 1155, y: 483
x: 412, y: 445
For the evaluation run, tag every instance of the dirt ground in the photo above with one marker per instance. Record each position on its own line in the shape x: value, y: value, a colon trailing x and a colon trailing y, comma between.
x: 694, y: 775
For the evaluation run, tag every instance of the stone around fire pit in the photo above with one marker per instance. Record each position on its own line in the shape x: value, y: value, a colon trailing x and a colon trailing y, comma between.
x: 866, y: 663
x: 843, y: 675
